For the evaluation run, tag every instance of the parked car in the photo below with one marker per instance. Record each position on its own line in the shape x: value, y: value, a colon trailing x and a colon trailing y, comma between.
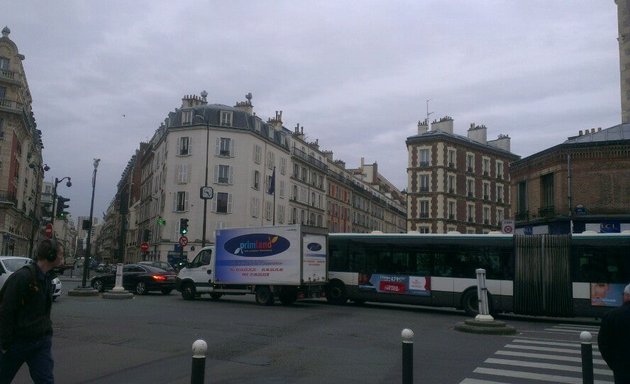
x: 159, y: 264
x: 139, y: 279
x: 10, y: 264
x: 58, y: 288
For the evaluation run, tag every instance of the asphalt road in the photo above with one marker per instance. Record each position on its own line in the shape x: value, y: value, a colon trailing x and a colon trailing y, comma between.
x: 148, y: 339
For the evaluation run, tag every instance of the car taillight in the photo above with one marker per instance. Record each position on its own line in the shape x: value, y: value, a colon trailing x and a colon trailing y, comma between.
x: 159, y: 277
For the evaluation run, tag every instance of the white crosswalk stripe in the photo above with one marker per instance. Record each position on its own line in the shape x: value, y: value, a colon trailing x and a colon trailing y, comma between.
x: 529, y: 361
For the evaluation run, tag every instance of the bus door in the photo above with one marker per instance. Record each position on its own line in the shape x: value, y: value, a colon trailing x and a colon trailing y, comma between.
x: 542, y: 278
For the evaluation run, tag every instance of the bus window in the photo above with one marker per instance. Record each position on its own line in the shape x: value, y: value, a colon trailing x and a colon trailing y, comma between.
x: 424, y: 262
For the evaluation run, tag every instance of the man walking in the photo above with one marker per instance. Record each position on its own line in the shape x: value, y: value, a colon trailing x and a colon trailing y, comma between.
x: 25, y: 324
x: 614, y: 339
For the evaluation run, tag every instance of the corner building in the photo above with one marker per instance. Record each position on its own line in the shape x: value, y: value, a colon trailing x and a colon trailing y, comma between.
x: 457, y: 183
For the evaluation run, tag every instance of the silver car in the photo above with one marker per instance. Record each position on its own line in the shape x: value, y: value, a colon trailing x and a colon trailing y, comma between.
x: 10, y: 264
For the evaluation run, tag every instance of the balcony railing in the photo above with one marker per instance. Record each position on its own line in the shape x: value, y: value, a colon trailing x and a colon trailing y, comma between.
x: 8, y: 197
x: 522, y: 216
x: 546, y: 211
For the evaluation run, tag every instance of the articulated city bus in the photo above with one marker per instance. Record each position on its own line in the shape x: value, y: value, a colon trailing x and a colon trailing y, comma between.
x: 550, y: 275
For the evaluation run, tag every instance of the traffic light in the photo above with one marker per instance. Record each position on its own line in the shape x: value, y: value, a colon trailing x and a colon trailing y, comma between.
x: 183, y: 226
x: 61, y: 207
x: 146, y: 235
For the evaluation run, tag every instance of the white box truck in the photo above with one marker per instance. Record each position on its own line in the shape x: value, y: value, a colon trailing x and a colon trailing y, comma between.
x: 287, y: 262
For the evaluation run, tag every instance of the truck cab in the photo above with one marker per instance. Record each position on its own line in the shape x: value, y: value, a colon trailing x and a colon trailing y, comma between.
x: 197, y: 276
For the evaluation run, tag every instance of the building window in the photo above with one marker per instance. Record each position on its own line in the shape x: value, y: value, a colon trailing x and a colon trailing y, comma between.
x: 451, y: 183
x: 255, y: 207
x: 424, y: 183
x: 500, y: 215
x: 486, y: 215
x: 452, y: 209
x: 424, y: 229
x: 470, y: 187
x: 257, y: 154
x: 4, y: 64
x: 470, y: 211
x: 182, y: 174
x: 486, y: 166
x: 499, y: 193
x: 546, y: 187
x: 425, y: 157
x: 3, y: 93
x: 283, y: 165
x: 181, y: 201
x: 186, y: 117
x: 452, y: 157
x: 226, y: 118
x: 521, y: 201
x: 256, y: 180
x: 225, y: 147
x: 183, y: 146
x: 486, y: 190
x: 281, y: 214
x: 223, y: 174
x: 424, y: 208
x: 499, y: 170
x: 268, y: 210
x: 223, y: 202
x: 470, y: 162
x: 271, y: 160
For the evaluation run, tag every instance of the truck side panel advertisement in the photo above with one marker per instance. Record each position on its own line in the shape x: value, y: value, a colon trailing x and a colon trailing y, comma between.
x: 264, y: 256
x: 314, y: 251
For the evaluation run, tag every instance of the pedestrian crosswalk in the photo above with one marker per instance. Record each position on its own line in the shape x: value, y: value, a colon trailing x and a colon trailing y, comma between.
x: 529, y: 360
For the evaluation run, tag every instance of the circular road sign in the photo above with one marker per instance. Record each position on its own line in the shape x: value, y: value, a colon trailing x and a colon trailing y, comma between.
x: 49, y: 230
x: 183, y: 241
x: 144, y: 247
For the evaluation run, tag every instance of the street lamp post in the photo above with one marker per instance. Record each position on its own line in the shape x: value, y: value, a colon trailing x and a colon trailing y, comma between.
x: 205, y: 200
x: 54, y: 202
x: 86, y: 258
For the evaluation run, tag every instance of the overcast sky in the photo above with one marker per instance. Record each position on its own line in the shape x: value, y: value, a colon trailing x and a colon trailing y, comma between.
x: 355, y: 74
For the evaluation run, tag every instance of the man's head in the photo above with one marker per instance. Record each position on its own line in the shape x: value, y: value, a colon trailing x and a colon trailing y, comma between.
x: 626, y: 294
x: 50, y: 252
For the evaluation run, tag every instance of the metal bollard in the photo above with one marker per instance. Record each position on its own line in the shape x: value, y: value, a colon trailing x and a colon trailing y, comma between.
x: 199, y: 349
x: 407, y: 356
x: 587, y: 358
x: 482, y: 296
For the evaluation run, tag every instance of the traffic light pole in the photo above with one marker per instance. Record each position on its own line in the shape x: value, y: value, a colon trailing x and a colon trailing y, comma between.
x: 53, y: 213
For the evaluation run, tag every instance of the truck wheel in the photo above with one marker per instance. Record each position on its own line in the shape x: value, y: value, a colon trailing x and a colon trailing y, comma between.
x: 264, y: 296
x: 188, y: 291
x: 215, y: 296
x: 336, y: 293
x: 288, y: 295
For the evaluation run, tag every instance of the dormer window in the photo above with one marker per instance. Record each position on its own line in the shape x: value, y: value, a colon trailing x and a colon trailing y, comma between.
x: 187, y: 117
x: 226, y: 118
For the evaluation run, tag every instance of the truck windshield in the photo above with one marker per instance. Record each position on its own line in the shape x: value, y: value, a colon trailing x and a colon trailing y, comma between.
x: 203, y: 258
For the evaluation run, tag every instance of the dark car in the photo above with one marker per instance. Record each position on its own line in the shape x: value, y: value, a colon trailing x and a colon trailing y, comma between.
x: 137, y: 278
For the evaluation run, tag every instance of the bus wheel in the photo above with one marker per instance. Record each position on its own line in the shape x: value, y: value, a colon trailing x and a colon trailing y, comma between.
x: 264, y: 295
x: 288, y: 295
x: 336, y: 293
x: 188, y: 291
x: 470, y: 302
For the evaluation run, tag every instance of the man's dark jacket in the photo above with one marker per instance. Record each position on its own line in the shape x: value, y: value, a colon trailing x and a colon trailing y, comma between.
x: 614, y: 340
x: 25, y: 307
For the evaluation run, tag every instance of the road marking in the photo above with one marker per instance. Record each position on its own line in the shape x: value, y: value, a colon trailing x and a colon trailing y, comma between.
x: 548, y: 357
x: 544, y: 349
x: 578, y: 331
x: 557, y: 344
x: 476, y: 381
x: 534, y: 376
x: 557, y: 367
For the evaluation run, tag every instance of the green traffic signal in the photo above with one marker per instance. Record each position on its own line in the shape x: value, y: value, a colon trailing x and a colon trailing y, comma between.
x: 183, y: 226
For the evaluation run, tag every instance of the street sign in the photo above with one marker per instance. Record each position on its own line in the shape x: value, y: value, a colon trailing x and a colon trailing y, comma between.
x: 48, y: 231
x: 183, y: 241
x: 144, y: 247
x: 507, y: 227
